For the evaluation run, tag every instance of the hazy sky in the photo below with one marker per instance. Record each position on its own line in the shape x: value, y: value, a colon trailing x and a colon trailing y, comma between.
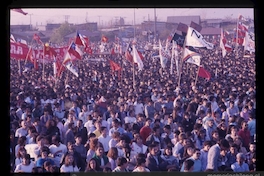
x: 78, y: 15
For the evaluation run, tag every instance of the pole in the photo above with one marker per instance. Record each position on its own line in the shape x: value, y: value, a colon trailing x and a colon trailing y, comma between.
x: 134, y: 84
x: 155, y: 25
x: 181, y: 63
x: 43, y: 71
x: 134, y: 24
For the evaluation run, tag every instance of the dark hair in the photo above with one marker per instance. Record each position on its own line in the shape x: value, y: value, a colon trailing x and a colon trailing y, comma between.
x: 121, y: 161
x: 224, y: 143
x: 188, y: 164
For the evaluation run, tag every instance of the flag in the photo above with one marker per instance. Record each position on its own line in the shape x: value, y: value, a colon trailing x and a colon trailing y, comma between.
x: 222, y: 43
x: 114, y: 66
x: 163, y: 56
x: 137, y: 59
x: 241, y: 18
x: 195, y: 39
x: 183, y: 28
x: 249, y: 42
x: 179, y: 39
x: 204, y: 73
x: 128, y: 53
x: 22, y: 42
x: 49, y: 51
x: 191, y: 57
x: 75, y: 51
x: 69, y: 65
x: 31, y: 58
x: 36, y: 37
x: 20, y: 11
x: 117, y: 39
x: 239, y: 39
x: 81, y: 40
x: 174, y: 53
x: 196, y: 26
x: 104, y: 39
x: 12, y: 38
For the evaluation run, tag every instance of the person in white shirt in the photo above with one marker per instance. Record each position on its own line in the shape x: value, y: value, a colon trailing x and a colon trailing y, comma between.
x: 131, y: 118
x: 104, y: 138
x: 22, y: 131
x: 84, y: 113
x: 26, y: 166
x: 57, y: 150
x: 76, y: 109
x: 138, y: 146
x: 141, y: 165
x: 89, y: 124
x: 69, y: 164
x: 58, y: 112
x: 138, y: 106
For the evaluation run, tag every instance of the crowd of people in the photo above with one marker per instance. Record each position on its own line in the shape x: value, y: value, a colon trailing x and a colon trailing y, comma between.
x: 138, y: 121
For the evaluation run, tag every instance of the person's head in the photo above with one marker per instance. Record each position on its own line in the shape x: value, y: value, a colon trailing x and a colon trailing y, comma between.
x: 26, y: 159
x: 188, y: 151
x: 47, y: 165
x: 215, y: 135
x: 112, y: 153
x: 23, y: 124
x: 140, y: 161
x: 233, y: 130
x: 252, y: 147
x: 182, y: 136
x: 168, y: 151
x: 93, y: 143
x: 148, y: 121
x: 121, y: 162
x: 37, y: 169
x: 188, y: 165
x: 153, y: 149
x: 238, y: 141
x: 156, y: 130
x: 207, y: 145
x: 244, y: 125
x: 78, y: 139
x: 115, y: 123
x: 103, y: 130
x: 79, y: 123
x: 210, y: 123
x: 167, y: 129
x: 99, y: 150
x: 21, y: 151
x: 224, y: 144
x: 55, y: 139
x: 240, y: 158
x: 116, y: 135
x: 107, y: 169
x: 197, y: 153
x: 69, y: 160
x: 233, y: 149
x: 91, y: 165
x: 44, y: 151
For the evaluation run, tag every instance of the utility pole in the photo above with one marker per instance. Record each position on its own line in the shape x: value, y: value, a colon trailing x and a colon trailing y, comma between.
x: 30, y: 27
x: 66, y: 18
x: 99, y: 21
x: 155, y: 25
x: 86, y: 19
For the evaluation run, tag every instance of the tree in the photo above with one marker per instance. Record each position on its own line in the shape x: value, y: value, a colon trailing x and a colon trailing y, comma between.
x: 59, y: 33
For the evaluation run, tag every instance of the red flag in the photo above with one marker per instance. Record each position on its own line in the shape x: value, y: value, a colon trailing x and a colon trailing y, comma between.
x: 89, y: 50
x: 20, y: 11
x: 204, y: 73
x: 114, y: 66
x: 49, y: 51
x: 104, y: 39
x: 128, y: 54
x: 113, y: 51
x: 32, y: 59
x: 140, y: 55
x: 37, y: 38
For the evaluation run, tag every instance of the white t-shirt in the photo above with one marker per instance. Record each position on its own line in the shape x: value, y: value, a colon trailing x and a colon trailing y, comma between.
x: 139, y: 108
x: 64, y: 168
x: 53, y: 149
x: 137, y: 149
x: 139, y: 170
x: 130, y: 119
x: 24, y: 168
x: 89, y: 126
x: 105, y: 141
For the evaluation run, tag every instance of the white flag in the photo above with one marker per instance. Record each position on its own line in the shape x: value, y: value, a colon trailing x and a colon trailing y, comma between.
x: 137, y: 58
x: 222, y: 44
x: 163, y: 56
x: 191, y: 57
x: 249, y: 42
x: 69, y: 65
x: 195, y: 39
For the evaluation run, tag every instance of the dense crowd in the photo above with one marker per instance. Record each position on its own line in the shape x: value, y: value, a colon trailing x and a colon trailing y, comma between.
x: 102, y: 122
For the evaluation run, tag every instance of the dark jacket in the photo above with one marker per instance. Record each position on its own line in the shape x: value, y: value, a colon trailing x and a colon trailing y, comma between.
x: 98, y: 161
x: 152, y: 165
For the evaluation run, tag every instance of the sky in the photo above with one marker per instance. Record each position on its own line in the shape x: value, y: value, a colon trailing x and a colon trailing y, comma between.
x: 42, y: 16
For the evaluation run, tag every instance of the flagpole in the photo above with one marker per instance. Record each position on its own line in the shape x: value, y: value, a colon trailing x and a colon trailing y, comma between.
x: 132, y: 43
x: 43, y: 70
x: 181, y: 62
x: 29, y: 51
x: 236, y: 54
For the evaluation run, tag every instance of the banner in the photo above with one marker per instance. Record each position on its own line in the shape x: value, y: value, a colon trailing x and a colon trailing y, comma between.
x: 195, y: 39
x: 18, y: 51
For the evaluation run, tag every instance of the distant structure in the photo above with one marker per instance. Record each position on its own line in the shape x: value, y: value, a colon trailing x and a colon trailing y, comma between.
x: 184, y: 19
